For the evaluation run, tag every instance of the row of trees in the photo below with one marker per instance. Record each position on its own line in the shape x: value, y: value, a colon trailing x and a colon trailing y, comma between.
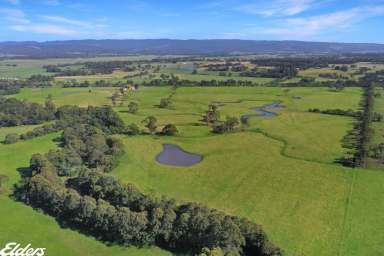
x: 73, y: 83
x: 116, y: 213
x: 280, y: 71
x: 358, y: 139
x: 202, y: 83
x: 339, y: 112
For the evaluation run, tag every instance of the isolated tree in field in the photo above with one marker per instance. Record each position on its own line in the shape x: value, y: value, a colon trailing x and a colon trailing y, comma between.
x: 150, y: 124
x: 133, y: 129
x: 133, y: 107
x: 169, y: 130
x: 229, y: 125
x: 212, y: 115
x: 11, y: 138
x: 165, y: 103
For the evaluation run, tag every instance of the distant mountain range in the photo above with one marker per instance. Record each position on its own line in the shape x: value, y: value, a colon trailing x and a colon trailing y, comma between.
x: 182, y: 47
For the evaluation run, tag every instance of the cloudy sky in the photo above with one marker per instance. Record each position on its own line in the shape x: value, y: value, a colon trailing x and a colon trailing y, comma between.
x: 309, y: 20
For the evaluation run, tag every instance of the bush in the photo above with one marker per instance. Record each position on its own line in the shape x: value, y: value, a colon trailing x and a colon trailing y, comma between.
x: 133, y: 129
x: 11, y: 138
x: 165, y: 103
x: 133, y: 107
x: 169, y: 130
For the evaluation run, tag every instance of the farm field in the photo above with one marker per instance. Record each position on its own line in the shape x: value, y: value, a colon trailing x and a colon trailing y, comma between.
x: 24, y: 68
x: 279, y: 172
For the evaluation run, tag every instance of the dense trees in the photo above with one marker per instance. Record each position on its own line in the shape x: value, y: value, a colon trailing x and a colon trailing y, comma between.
x: 85, y: 146
x: 14, y: 112
x: 8, y: 87
x: 118, y: 213
x: 104, y: 118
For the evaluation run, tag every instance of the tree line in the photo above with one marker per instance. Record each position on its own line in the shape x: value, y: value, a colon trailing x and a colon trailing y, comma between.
x: 339, y: 112
x: 358, y: 139
x: 12, y: 86
x: 99, y: 205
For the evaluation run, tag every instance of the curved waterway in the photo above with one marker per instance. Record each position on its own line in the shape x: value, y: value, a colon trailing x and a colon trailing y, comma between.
x: 175, y: 156
x: 263, y: 111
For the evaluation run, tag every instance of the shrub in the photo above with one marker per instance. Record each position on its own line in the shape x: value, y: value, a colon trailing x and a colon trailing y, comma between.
x: 169, y: 130
x: 11, y: 138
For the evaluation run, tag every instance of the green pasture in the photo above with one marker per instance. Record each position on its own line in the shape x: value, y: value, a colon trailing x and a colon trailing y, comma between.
x: 278, y: 172
x: 24, y: 68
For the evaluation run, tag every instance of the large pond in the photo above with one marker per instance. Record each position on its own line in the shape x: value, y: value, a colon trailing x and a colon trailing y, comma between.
x: 175, y: 156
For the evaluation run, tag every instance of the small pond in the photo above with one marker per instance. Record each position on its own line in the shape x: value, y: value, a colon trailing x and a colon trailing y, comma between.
x: 263, y: 111
x: 176, y: 156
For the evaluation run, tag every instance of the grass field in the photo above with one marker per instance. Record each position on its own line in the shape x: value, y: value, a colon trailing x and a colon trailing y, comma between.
x: 24, y: 68
x: 279, y: 173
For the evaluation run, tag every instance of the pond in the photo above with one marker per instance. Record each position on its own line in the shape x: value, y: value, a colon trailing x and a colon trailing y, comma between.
x: 175, y: 156
x: 263, y: 111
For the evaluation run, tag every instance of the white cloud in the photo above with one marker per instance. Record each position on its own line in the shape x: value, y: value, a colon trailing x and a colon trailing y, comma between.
x: 17, y: 20
x: 44, y: 29
x: 304, y: 28
x: 65, y: 20
x: 278, y: 7
x: 14, y: 16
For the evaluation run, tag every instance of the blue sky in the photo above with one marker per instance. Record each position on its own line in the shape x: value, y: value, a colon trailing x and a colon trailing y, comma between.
x: 309, y: 20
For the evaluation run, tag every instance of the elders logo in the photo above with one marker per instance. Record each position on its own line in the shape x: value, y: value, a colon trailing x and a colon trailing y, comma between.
x: 15, y: 249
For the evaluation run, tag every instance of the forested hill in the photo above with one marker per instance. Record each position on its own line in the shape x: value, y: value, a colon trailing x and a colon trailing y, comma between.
x: 169, y: 46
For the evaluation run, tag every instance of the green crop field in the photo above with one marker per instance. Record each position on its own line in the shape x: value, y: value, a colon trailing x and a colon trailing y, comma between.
x: 279, y: 172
